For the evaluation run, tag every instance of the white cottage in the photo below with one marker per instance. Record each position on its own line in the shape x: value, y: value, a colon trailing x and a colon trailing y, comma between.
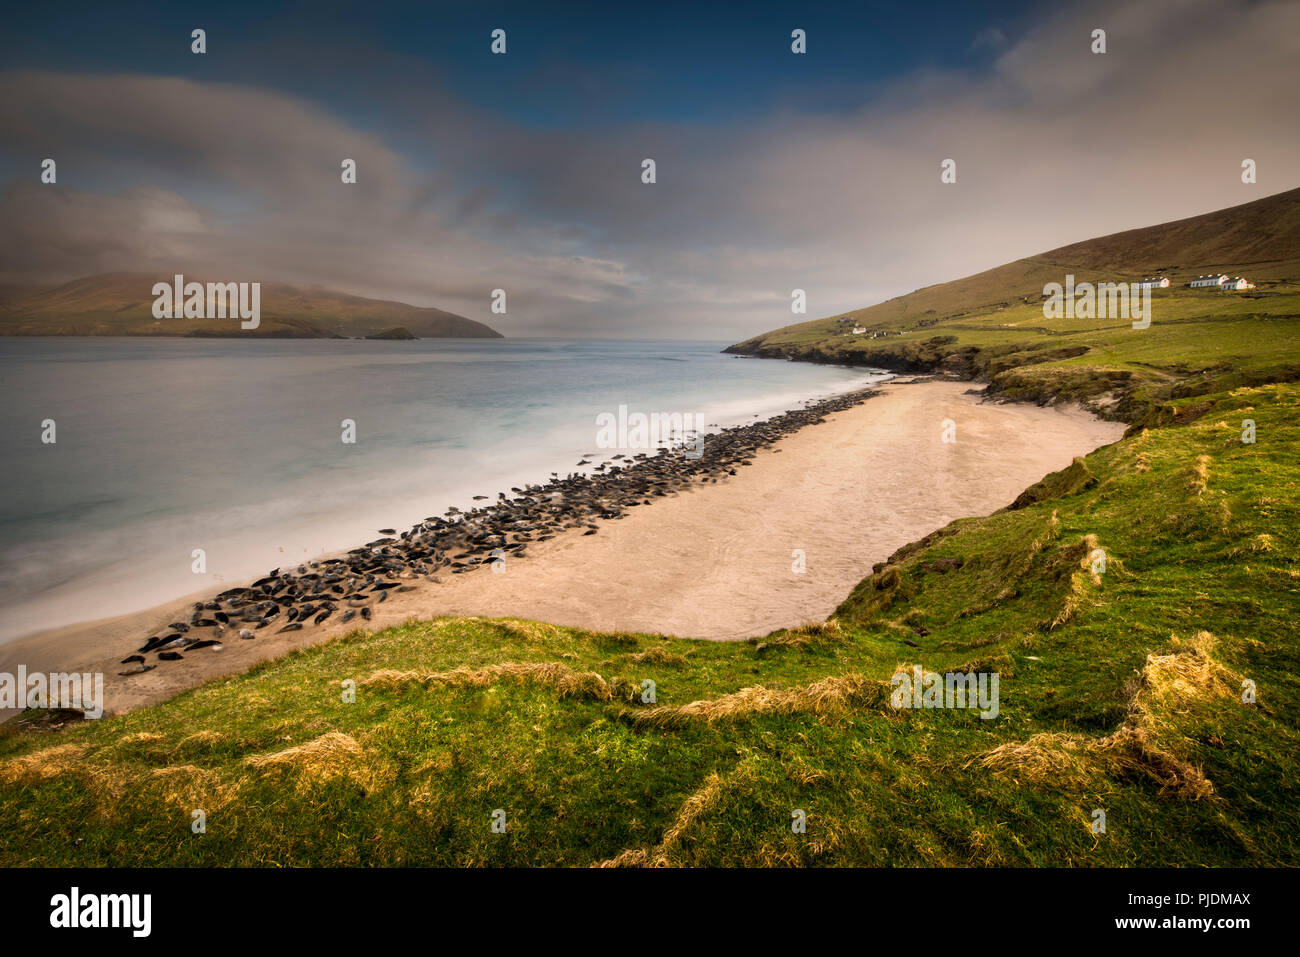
x: 1232, y: 285
x: 1155, y: 282
x: 1207, y: 281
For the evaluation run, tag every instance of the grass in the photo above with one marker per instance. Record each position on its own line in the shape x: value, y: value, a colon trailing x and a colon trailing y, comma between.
x: 1198, y: 343
x: 1120, y: 691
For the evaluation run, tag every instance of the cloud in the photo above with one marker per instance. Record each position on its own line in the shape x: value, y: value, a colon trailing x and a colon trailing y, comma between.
x: 1053, y: 144
x: 989, y: 38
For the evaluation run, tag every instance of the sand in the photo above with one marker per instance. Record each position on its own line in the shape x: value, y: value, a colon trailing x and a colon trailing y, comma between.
x: 716, y: 562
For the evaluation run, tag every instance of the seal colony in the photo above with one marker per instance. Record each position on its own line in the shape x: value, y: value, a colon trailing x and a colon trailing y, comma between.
x: 713, y: 564
x: 458, y: 541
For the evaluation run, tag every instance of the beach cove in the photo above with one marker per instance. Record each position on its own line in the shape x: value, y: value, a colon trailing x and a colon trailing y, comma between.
x: 780, y: 544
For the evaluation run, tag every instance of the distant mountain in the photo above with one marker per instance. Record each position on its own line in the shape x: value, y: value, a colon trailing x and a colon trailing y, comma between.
x: 1259, y: 240
x: 121, y: 304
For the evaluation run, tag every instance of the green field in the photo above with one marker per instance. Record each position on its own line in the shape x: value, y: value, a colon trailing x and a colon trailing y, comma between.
x: 1197, y: 343
x: 1121, y: 688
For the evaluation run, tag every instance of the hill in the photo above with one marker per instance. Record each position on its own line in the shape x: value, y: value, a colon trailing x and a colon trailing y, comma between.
x: 991, y: 325
x: 121, y: 304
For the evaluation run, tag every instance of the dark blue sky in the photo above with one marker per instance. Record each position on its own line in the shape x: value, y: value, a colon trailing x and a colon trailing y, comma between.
x: 567, y: 64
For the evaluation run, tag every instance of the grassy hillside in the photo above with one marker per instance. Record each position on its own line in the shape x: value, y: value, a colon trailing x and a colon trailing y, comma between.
x: 1121, y: 687
x: 991, y: 326
x: 121, y: 304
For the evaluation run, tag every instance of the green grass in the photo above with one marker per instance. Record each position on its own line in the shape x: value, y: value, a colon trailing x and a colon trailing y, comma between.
x: 1118, y: 692
x: 1197, y: 343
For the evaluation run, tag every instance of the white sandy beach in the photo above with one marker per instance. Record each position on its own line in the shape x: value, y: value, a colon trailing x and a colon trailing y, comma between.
x: 714, y: 562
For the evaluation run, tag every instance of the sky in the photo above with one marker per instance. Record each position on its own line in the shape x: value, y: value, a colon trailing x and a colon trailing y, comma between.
x: 774, y: 170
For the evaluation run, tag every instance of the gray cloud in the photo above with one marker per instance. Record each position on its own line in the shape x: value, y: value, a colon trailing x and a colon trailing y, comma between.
x: 1055, y: 145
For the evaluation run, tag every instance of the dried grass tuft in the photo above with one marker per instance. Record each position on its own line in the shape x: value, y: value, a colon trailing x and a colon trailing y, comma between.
x: 1200, y: 475
x: 633, y: 857
x: 1143, y: 745
x: 200, y: 742
x: 831, y: 695
x: 43, y: 765
x: 552, y: 674
x: 820, y: 634
x: 658, y: 656
x: 331, y: 756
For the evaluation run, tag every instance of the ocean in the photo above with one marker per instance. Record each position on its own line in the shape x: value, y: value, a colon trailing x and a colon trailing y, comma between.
x: 235, y: 447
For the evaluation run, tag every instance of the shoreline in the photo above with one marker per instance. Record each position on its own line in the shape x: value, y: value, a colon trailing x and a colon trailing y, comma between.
x: 96, y: 550
x: 122, y: 547
x: 713, y: 559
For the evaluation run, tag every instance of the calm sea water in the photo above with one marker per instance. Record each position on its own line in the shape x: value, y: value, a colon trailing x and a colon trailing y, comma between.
x: 234, y: 446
